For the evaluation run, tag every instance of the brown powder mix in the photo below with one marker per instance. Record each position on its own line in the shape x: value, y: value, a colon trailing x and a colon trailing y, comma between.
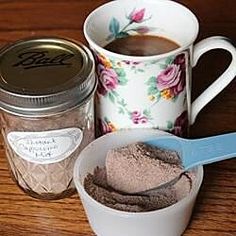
x: 145, y: 167
x: 47, y: 181
x: 134, y: 168
x: 97, y: 187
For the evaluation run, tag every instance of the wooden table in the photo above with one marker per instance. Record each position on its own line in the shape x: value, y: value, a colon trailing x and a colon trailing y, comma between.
x: 215, y: 212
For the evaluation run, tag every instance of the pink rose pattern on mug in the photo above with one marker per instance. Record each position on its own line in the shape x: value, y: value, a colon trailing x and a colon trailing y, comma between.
x: 113, y: 78
x: 166, y: 84
x: 134, y: 18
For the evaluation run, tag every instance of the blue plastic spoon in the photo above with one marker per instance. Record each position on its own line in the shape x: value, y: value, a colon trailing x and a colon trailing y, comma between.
x: 198, y: 151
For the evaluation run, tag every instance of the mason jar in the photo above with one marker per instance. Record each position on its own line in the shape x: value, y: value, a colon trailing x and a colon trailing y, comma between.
x: 47, y: 112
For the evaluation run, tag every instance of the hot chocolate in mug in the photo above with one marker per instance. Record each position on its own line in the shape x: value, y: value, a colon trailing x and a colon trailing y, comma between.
x: 150, y: 91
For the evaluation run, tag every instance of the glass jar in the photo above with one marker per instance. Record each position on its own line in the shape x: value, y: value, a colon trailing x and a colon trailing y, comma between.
x: 47, y: 99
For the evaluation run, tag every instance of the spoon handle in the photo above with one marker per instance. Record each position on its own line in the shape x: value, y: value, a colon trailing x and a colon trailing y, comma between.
x: 209, y: 150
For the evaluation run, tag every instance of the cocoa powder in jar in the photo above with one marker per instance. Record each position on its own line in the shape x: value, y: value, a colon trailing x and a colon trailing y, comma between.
x: 45, y: 127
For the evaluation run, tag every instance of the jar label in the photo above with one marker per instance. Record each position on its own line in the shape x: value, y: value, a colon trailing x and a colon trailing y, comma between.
x: 47, y: 146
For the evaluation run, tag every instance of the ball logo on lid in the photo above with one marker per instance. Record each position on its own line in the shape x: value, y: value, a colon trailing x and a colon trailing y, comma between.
x: 45, y: 147
x: 34, y: 59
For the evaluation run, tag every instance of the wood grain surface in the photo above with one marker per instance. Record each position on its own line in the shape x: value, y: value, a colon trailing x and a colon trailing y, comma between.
x: 215, y: 211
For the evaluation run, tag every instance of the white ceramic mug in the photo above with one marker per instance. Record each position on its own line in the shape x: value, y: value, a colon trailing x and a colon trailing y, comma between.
x: 150, y: 91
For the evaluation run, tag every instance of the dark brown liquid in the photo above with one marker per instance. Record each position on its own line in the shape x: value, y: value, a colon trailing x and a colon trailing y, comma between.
x: 142, y: 45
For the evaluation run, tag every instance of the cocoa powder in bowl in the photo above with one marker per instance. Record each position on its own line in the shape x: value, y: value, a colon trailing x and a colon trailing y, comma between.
x: 48, y: 117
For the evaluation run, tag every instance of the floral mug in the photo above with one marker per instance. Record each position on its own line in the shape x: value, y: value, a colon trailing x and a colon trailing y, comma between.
x: 150, y: 91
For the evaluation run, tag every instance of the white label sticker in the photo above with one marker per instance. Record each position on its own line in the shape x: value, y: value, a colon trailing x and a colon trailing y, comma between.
x: 47, y: 146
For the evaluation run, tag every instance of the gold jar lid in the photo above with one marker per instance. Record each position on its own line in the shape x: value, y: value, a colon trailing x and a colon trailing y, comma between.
x: 41, y: 76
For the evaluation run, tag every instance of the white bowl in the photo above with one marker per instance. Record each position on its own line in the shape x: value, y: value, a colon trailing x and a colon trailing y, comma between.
x: 105, y: 221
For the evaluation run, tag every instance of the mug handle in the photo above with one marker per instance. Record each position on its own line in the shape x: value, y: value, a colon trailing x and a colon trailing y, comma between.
x: 216, y: 87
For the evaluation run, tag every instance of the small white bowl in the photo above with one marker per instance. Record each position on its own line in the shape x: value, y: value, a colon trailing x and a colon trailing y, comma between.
x: 105, y: 221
